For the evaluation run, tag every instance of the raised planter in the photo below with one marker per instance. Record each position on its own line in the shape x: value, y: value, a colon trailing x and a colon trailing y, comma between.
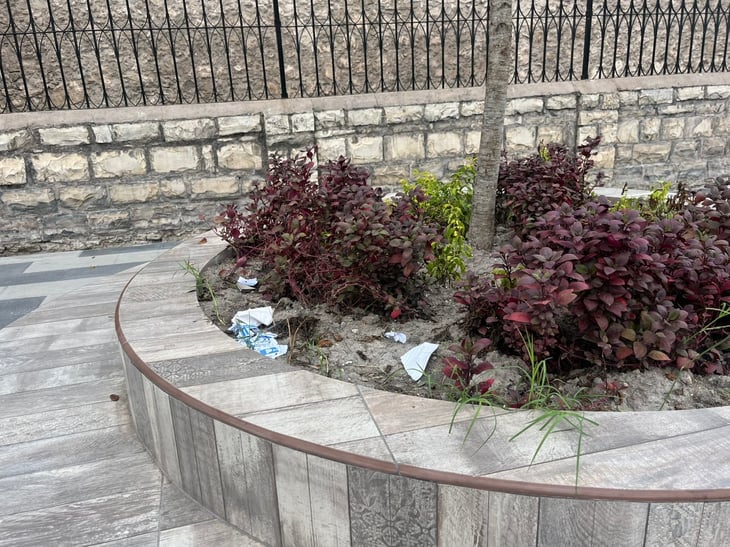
x: 293, y: 458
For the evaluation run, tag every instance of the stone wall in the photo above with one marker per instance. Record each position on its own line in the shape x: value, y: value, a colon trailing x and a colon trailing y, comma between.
x: 104, y: 177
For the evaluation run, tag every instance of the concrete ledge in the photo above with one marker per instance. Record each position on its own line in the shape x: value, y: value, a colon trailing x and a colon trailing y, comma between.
x: 293, y: 458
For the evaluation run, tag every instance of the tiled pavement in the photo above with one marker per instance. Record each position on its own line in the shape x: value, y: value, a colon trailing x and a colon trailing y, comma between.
x: 71, y: 469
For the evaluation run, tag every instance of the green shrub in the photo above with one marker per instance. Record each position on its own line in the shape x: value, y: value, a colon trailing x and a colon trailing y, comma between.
x: 660, y: 203
x: 448, y: 204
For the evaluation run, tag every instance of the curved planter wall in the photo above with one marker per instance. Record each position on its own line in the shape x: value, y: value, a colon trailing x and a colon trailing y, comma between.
x: 296, y: 459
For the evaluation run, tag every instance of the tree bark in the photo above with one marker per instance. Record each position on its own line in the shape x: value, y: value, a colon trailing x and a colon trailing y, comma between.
x: 499, y: 29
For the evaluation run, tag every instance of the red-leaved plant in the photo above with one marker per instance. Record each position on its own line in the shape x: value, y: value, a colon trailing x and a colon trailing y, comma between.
x: 464, y: 368
x: 327, y: 236
x: 596, y: 286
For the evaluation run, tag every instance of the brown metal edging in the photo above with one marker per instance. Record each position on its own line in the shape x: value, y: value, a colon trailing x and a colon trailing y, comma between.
x: 405, y: 470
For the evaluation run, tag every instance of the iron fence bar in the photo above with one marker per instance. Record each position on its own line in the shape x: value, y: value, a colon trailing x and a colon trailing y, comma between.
x: 172, y: 50
x: 245, y: 53
x: 261, y: 49
x: 39, y: 55
x: 318, y: 83
x: 208, y: 49
x: 348, y: 48
x: 57, y: 48
x: 117, y: 53
x: 97, y: 54
x: 148, y: 20
x: 365, y: 34
x: 186, y: 26
x: 231, y: 87
x: 279, y: 49
x: 331, y: 37
x: 77, y: 50
x: 442, y: 17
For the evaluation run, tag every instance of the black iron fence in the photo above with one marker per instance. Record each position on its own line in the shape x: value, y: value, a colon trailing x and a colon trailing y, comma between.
x: 70, y: 54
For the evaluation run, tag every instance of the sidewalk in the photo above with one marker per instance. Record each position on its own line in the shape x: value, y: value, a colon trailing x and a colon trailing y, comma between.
x: 71, y: 469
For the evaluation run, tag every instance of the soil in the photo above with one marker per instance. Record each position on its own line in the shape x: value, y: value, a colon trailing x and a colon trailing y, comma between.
x: 353, y: 348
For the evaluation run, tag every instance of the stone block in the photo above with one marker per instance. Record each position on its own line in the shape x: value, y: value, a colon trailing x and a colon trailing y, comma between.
x: 119, y: 163
x: 140, y: 131
x: 628, y: 98
x: 12, y: 171
x: 102, y: 134
x: 624, y: 153
x: 520, y: 139
x: 651, y: 152
x: 277, y: 124
x: 365, y: 149
x: 589, y: 100
x: 672, y: 128
x: 690, y: 93
x: 628, y: 131
x: 174, y: 188
x: 403, y: 114
x: 605, y: 157
x: 404, y: 147
x: 699, y: 127
x: 685, y: 150
x: 676, y: 108
x: 60, y: 167
x: 524, y: 106
x: 587, y: 131
x: 702, y: 108
x: 472, y: 108
x: 215, y: 187
x: 303, y: 122
x: 365, y: 116
x: 174, y: 159
x: 718, y: 168
x: 134, y: 193
x: 329, y: 119
x: 550, y: 133
x: 714, y: 147
x: 608, y: 133
x: 649, y: 129
x: 561, y: 102
x: 108, y: 219
x: 390, y: 175
x: 610, y: 101
x: 443, y: 144
x: 718, y: 91
x: 240, y: 156
x: 331, y: 149
x: 587, y: 117
x: 441, y: 111
x: 64, y: 136
x: 656, y: 96
x: 234, y: 125
x: 208, y: 157
x: 78, y: 195
x: 659, y: 173
x: 188, y: 130
x: 471, y: 142
x: 27, y: 197
x: 14, y: 140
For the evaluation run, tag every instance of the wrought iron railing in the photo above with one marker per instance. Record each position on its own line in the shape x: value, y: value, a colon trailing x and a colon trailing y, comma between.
x: 69, y: 54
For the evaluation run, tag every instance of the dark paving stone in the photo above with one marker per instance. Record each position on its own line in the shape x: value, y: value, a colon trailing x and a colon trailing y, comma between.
x: 8, y: 270
x: 66, y: 274
x: 15, y: 308
x: 136, y: 249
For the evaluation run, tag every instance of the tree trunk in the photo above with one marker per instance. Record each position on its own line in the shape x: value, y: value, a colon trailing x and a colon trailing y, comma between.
x: 499, y: 29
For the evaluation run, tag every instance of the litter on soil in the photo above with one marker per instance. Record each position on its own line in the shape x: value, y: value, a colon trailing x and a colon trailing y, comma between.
x: 369, y: 349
